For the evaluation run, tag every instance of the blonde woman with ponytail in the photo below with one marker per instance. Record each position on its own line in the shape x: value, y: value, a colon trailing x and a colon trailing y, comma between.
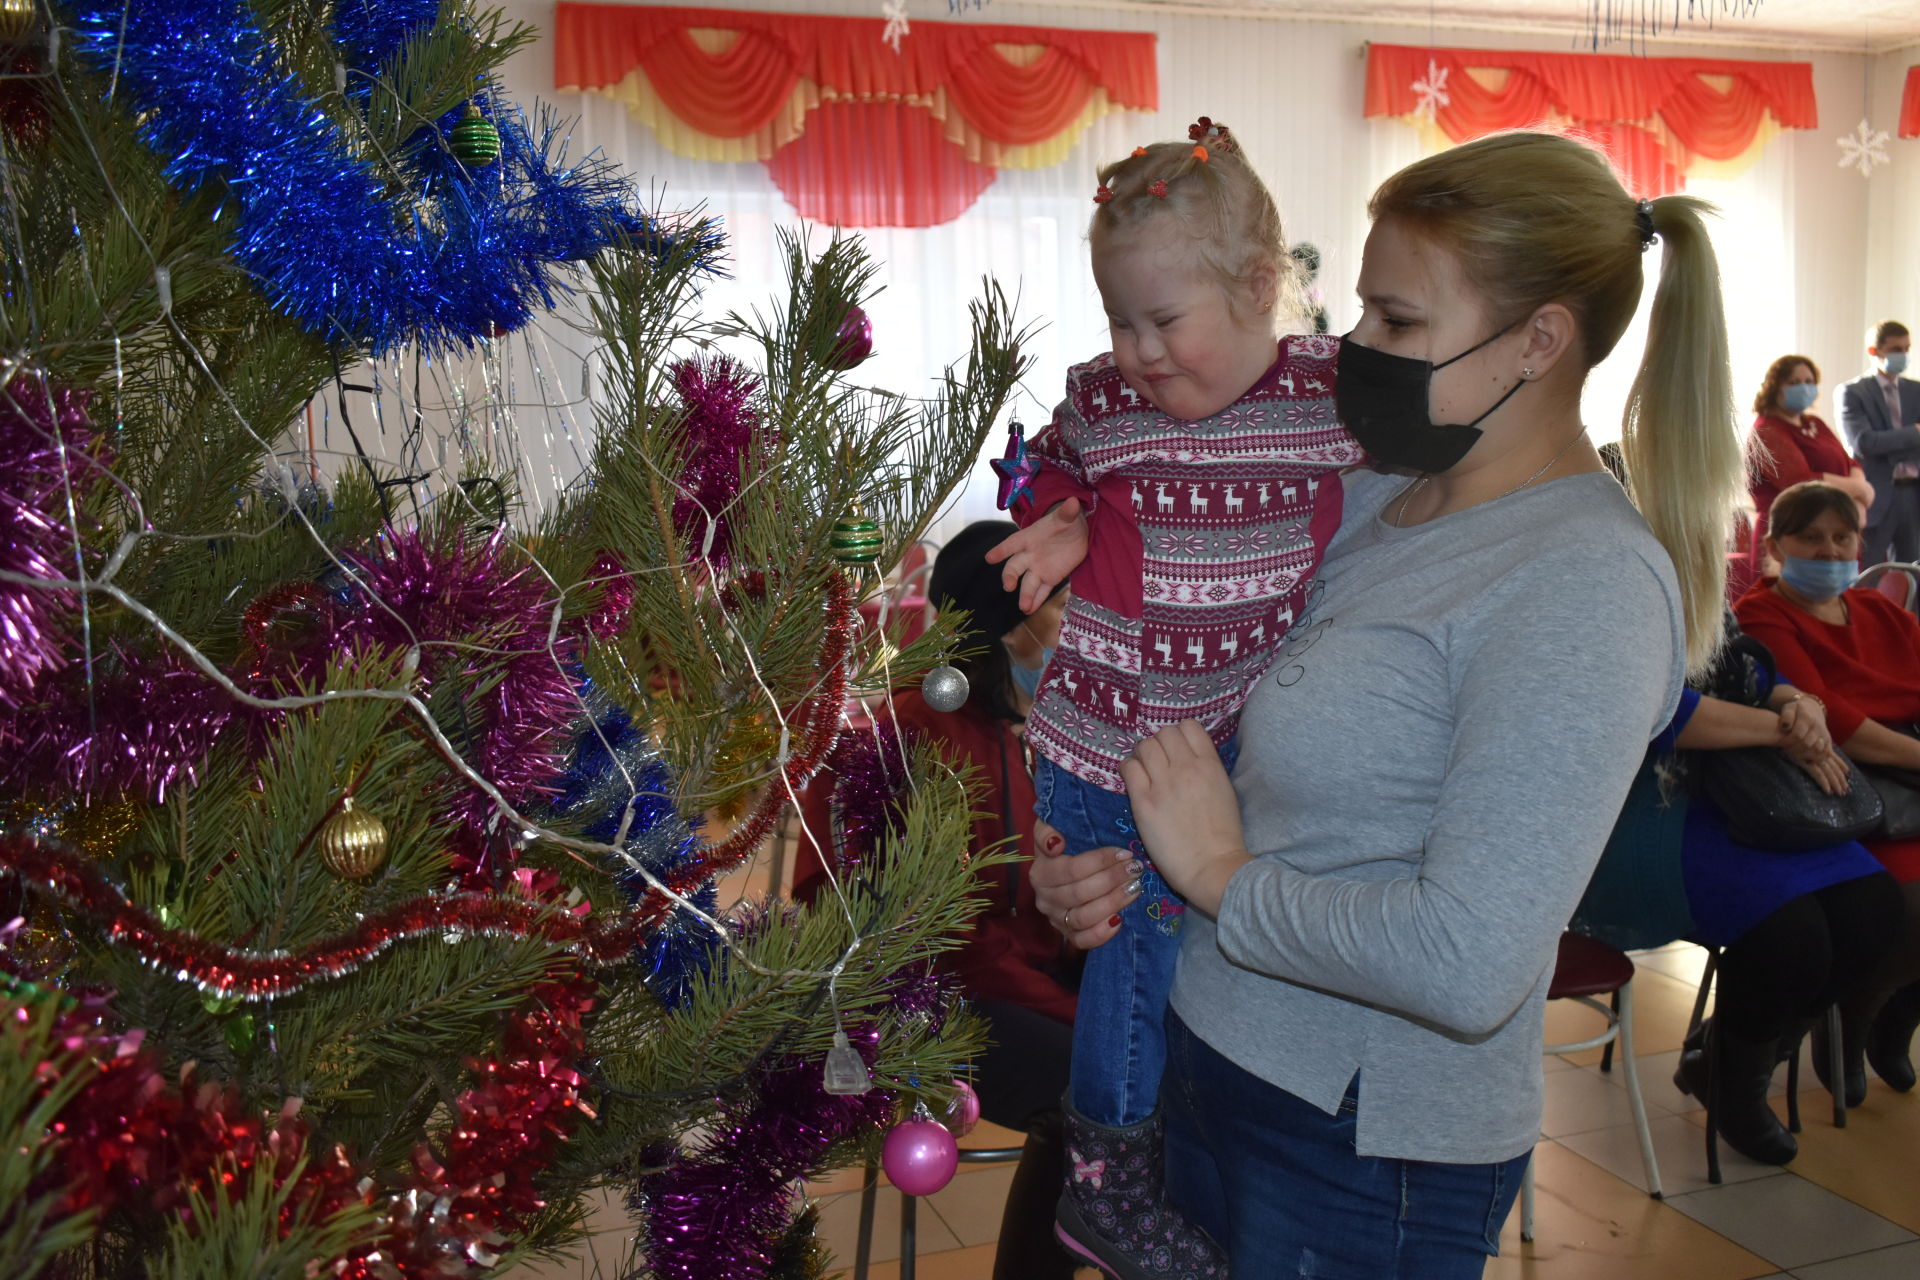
x: 1430, y: 769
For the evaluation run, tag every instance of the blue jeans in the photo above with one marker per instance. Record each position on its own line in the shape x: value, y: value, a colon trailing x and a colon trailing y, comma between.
x: 1119, y: 1037
x: 1278, y: 1183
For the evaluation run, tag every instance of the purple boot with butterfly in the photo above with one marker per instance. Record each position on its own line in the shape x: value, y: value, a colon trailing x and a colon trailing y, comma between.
x: 1114, y: 1213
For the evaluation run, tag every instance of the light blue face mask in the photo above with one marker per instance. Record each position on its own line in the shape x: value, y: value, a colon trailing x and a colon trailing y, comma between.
x: 1894, y: 362
x: 1028, y: 678
x: 1799, y: 396
x: 1819, y: 579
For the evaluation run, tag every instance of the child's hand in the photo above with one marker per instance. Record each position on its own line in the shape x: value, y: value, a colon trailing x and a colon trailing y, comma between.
x: 1042, y: 555
x: 1187, y: 814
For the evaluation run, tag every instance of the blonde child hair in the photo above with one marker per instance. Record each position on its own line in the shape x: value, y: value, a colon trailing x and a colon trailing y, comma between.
x: 1218, y: 204
x: 1537, y: 218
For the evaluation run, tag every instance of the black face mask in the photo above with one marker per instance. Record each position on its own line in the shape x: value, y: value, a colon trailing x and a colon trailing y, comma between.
x: 1382, y: 399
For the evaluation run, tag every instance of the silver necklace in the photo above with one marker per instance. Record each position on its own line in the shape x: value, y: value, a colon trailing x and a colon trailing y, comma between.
x: 1400, y: 512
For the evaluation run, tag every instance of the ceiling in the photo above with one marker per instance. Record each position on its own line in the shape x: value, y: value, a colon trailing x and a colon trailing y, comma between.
x: 1844, y: 25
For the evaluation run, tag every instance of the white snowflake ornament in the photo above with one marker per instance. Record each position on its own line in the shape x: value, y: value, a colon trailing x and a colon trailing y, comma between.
x: 1864, y: 148
x: 895, y: 12
x: 1431, y: 89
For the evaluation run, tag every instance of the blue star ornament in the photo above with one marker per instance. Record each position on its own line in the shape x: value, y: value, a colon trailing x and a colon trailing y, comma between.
x: 1015, y: 469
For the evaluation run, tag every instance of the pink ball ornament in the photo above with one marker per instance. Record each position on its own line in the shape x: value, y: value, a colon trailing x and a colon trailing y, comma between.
x: 852, y: 342
x: 920, y: 1157
x: 964, y: 1111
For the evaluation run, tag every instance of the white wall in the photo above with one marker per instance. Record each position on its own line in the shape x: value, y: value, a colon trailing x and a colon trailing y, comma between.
x: 1797, y: 240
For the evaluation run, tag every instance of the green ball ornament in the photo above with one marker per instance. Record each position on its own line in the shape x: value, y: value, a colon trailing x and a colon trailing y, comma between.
x: 474, y: 142
x: 856, y: 540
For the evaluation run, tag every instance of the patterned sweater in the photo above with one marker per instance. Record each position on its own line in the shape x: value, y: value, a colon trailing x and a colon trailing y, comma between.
x: 1203, y: 539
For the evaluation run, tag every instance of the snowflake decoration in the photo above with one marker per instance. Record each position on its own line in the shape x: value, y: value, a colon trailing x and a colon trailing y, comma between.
x: 1864, y: 148
x: 1431, y: 89
x: 895, y: 12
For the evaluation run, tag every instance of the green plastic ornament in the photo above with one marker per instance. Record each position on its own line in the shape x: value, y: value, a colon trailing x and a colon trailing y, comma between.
x: 474, y: 142
x: 856, y: 540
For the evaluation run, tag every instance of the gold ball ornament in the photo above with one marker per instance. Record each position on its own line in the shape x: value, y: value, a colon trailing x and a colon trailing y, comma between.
x: 18, y: 18
x: 353, y: 843
x: 856, y: 540
x: 474, y: 141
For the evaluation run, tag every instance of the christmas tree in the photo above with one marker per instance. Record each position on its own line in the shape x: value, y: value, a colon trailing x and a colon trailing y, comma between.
x: 360, y: 911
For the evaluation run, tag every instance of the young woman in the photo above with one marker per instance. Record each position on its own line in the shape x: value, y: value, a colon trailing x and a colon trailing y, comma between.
x: 1429, y: 772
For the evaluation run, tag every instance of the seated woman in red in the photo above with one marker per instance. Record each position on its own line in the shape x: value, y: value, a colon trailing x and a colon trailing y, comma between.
x: 1859, y: 653
x: 1018, y: 974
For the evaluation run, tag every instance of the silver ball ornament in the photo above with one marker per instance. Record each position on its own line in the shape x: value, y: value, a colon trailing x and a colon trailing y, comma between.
x: 945, y: 688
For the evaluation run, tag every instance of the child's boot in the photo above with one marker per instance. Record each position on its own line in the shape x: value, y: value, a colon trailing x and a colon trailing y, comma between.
x: 1114, y: 1212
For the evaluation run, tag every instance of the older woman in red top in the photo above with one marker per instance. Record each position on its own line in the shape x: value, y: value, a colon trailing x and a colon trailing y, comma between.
x: 1859, y: 654
x: 1790, y: 445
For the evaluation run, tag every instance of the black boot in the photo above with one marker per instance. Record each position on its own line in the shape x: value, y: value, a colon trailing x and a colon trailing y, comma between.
x: 1028, y: 1249
x: 1114, y: 1213
x: 1890, y: 1042
x: 1740, y: 1108
x: 1853, y: 1060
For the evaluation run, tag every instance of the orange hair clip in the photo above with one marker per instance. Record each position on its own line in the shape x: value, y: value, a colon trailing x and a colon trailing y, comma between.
x: 1200, y: 154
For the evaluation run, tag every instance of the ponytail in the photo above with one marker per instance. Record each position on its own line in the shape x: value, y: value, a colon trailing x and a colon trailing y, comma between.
x: 1684, y: 463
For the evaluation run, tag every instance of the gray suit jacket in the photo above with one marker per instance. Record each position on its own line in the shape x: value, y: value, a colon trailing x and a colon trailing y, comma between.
x: 1876, y: 442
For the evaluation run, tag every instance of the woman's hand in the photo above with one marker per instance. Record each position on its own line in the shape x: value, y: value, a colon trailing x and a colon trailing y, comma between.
x: 1187, y: 813
x: 1803, y: 726
x: 1042, y: 555
x: 1829, y: 769
x: 1083, y: 895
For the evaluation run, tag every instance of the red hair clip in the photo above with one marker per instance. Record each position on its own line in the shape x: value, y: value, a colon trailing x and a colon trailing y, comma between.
x: 1104, y: 194
x: 1138, y: 152
x: 1205, y: 130
x: 1158, y: 189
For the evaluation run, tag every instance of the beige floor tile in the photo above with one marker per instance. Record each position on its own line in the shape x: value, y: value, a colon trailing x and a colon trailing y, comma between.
x: 1590, y: 1225
x: 1902, y: 1262
x: 840, y: 1227
x: 1875, y: 1160
x: 1678, y: 1149
x: 1583, y: 1099
x: 1790, y: 1221
x: 970, y: 1206
x: 1683, y: 962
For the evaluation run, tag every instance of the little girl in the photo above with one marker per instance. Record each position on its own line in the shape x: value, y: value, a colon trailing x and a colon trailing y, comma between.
x: 1189, y: 484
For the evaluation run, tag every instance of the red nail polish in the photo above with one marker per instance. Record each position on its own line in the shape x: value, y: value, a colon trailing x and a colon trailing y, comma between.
x: 1113, y: 921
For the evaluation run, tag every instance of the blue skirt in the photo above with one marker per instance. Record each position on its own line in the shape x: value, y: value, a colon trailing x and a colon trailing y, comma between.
x: 1733, y: 887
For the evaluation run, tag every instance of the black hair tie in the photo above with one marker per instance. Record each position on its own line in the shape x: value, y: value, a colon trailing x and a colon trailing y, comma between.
x: 1643, y: 218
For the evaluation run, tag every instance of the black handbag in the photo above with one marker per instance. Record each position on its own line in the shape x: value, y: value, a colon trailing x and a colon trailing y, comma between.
x: 1769, y: 801
x: 1899, y: 796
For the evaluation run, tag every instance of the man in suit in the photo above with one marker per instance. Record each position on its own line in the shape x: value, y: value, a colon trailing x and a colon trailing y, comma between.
x: 1880, y: 418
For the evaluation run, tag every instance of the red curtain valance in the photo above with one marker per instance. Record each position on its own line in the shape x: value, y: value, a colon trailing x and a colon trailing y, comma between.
x: 1910, y: 105
x: 1654, y: 116
x: 722, y: 84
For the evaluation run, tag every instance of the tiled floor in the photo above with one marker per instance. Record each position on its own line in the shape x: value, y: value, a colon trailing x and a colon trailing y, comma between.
x: 1847, y: 1209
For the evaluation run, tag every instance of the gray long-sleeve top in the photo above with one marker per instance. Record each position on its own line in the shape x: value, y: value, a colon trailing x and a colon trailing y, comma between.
x: 1427, y: 776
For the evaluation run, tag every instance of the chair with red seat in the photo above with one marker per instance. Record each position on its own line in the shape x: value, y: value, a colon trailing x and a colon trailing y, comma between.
x: 1899, y: 583
x: 1585, y: 970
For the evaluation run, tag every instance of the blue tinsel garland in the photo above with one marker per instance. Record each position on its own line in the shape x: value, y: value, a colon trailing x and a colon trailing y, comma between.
x: 462, y: 256
x: 614, y: 770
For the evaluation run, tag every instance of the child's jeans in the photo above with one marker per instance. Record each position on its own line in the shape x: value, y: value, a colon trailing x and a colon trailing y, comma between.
x: 1119, y: 1037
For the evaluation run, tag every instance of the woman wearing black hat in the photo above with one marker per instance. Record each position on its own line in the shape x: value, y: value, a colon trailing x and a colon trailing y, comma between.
x: 1017, y: 973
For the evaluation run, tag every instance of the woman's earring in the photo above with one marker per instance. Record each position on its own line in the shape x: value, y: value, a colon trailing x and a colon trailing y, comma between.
x: 1527, y: 373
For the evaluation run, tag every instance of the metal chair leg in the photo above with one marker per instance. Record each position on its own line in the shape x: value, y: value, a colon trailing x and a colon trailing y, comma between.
x: 1793, y: 1090
x: 863, y: 1243
x: 1837, y: 1066
x: 1623, y: 1024
x: 909, y: 1235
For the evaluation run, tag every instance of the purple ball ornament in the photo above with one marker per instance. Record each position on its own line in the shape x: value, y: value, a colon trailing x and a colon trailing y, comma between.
x: 964, y: 1111
x: 852, y: 342
x: 920, y: 1156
